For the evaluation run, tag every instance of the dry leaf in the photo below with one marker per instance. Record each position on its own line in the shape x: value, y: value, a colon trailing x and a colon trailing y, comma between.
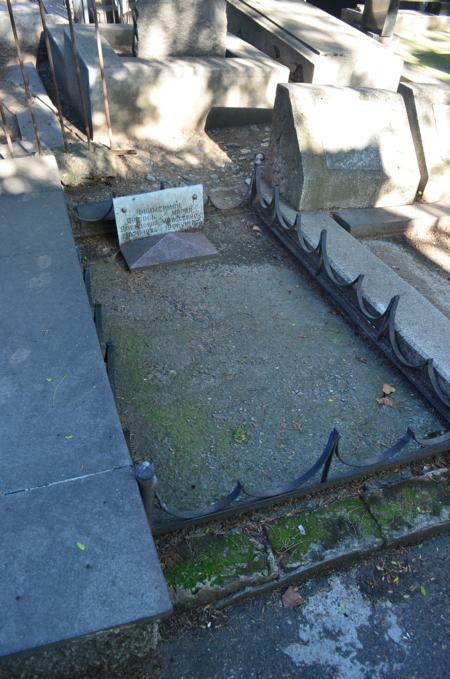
x: 363, y: 359
x: 257, y: 231
x: 388, y: 389
x: 386, y: 401
x: 292, y: 598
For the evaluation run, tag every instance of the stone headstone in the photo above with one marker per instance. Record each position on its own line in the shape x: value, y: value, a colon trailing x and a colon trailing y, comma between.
x: 341, y: 147
x: 181, y: 28
x: 428, y: 109
x: 380, y: 16
x: 159, y: 212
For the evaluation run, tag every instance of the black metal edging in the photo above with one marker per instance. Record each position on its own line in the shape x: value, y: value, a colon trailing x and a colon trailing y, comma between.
x: 416, y: 456
x: 378, y: 327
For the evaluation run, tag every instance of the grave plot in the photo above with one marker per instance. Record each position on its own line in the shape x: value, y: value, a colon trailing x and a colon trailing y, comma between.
x: 237, y: 368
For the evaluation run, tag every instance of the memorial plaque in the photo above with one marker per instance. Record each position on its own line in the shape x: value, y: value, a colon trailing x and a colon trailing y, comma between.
x: 160, y: 212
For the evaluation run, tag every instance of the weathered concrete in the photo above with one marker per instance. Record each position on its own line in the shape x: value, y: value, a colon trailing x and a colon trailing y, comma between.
x: 29, y: 29
x: 144, y: 95
x: 296, y: 542
x: 422, y: 326
x: 341, y: 147
x: 212, y: 566
x: 176, y: 28
x: 403, y: 511
x: 323, y: 535
x: 44, y: 110
x: 428, y: 108
x: 380, y: 221
x: 317, y: 47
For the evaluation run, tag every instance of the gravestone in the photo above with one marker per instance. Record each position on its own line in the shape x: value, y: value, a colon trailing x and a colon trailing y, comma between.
x: 341, y: 147
x: 428, y: 109
x: 151, y: 226
x: 379, y: 16
x: 168, y: 28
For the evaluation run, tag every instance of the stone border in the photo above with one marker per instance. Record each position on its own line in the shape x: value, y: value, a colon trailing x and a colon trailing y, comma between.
x: 223, y: 564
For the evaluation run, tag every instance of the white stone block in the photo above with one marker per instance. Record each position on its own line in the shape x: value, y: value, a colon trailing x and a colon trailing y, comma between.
x: 341, y: 147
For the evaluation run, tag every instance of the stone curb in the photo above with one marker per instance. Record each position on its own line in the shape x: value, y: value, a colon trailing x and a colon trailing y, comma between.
x: 223, y: 567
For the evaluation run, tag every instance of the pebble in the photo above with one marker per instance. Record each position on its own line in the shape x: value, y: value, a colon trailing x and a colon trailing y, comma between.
x: 245, y: 151
x: 150, y: 178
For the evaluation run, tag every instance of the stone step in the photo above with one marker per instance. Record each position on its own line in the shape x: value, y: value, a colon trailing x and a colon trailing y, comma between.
x: 385, y: 221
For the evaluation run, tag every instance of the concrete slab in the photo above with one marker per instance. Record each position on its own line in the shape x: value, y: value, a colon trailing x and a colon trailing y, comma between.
x: 19, y: 176
x: 49, y: 129
x: 21, y: 233
x: 428, y: 108
x: 317, y: 47
x: 54, y: 387
x: 380, y: 221
x: 341, y: 147
x: 76, y: 557
x: 142, y: 92
x: 423, y: 327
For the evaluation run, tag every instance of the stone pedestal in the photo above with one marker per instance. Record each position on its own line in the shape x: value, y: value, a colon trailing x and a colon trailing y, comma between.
x: 335, y: 147
x: 169, y: 28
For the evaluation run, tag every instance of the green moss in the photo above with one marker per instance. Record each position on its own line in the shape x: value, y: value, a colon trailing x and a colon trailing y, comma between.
x: 322, y: 529
x: 400, y: 506
x: 241, y: 434
x: 214, y: 560
x: 183, y: 424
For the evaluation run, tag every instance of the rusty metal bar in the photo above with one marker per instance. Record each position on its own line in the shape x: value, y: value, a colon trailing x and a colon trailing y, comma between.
x: 73, y: 40
x: 6, y: 131
x: 52, y: 69
x: 102, y: 75
x: 26, y: 81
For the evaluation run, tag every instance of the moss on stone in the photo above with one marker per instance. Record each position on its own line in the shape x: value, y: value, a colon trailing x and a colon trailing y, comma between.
x: 401, y: 506
x: 214, y: 560
x: 306, y: 537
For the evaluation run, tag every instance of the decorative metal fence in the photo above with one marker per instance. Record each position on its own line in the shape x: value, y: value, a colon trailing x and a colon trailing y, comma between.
x: 78, y: 11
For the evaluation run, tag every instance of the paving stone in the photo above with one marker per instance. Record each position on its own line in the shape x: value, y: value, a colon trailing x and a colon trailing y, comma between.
x: 405, y: 509
x: 77, y: 552
x: 324, y: 534
x: 77, y: 557
x: 211, y: 565
x: 27, y: 175
x: 341, y: 147
x: 21, y: 233
x: 381, y: 221
x: 58, y: 415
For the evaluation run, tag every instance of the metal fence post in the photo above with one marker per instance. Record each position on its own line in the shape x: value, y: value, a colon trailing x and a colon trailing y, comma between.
x: 25, y: 79
x: 147, y: 480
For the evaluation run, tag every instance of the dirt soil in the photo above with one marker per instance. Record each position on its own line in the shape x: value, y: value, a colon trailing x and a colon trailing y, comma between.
x: 234, y: 367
